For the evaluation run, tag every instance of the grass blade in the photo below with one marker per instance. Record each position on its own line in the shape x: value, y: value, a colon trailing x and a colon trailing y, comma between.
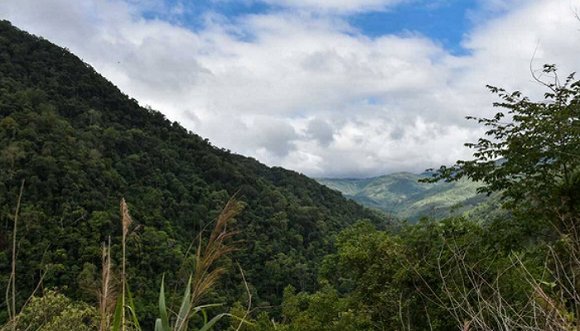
x: 163, y: 320
x: 159, y: 326
x: 185, y: 309
x: 131, y: 306
x: 118, y: 315
x: 212, y: 322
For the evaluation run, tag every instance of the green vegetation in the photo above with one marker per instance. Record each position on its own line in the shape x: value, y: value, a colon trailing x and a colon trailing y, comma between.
x: 55, y: 312
x: 405, y: 197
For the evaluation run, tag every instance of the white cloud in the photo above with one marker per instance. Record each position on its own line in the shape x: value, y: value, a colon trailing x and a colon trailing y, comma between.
x: 336, y: 5
x: 307, y: 91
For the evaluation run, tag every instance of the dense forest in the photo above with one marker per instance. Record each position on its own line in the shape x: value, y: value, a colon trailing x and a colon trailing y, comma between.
x: 287, y: 253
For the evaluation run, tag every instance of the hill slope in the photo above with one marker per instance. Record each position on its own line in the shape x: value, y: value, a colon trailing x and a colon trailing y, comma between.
x: 81, y: 145
x: 401, y: 195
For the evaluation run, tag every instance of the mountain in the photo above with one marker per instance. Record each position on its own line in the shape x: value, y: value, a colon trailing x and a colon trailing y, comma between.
x: 79, y: 145
x: 402, y: 195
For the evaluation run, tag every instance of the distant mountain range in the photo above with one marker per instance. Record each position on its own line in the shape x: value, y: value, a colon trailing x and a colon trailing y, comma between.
x: 403, y: 196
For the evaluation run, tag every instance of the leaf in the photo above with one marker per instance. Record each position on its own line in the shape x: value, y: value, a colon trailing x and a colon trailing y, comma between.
x: 131, y: 306
x: 210, y: 305
x: 118, y: 315
x: 185, y: 309
x: 207, y: 326
x: 163, y: 320
x: 204, y: 313
x: 212, y: 322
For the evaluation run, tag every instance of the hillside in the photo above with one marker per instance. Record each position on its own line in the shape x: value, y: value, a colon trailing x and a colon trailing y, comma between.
x: 80, y: 145
x: 403, y: 196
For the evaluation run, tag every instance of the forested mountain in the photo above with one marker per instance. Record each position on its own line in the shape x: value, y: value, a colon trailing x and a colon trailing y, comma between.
x: 403, y: 196
x: 79, y: 145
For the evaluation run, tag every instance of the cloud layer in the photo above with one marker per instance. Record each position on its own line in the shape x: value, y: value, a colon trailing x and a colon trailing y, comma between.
x: 301, y: 88
x: 336, y: 6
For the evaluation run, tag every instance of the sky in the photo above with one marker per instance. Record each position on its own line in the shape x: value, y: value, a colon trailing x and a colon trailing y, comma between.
x: 334, y: 88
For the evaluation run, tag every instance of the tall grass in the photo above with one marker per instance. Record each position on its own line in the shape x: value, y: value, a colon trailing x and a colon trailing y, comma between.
x: 126, y: 223
x: 202, y: 279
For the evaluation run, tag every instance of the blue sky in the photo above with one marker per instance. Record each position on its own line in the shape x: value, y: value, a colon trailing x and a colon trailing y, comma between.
x: 333, y: 88
x: 444, y: 21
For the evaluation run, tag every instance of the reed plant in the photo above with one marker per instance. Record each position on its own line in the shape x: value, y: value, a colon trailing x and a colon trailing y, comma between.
x: 203, y: 278
x: 107, y: 291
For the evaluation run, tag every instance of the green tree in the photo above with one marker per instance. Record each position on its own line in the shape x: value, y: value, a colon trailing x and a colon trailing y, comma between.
x: 55, y: 312
x: 324, y: 310
x: 531, y: 150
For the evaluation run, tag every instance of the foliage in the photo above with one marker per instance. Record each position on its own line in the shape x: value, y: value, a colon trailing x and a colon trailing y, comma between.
x: 55, y: 312
x: 433, y: 275
x: 324, y: 310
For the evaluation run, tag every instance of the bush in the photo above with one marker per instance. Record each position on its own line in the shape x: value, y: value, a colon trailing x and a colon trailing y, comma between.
x: 55, y: 312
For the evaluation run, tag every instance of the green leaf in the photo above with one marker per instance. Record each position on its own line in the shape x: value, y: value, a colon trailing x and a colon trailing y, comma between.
x: 210, y: 305
x: 204, y: 314
x: 163, y: 320
x: 208, y: 325
x: 118, y: 315
x: 185, y: 309
x: 131, y: 306
x: 212, y: 322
